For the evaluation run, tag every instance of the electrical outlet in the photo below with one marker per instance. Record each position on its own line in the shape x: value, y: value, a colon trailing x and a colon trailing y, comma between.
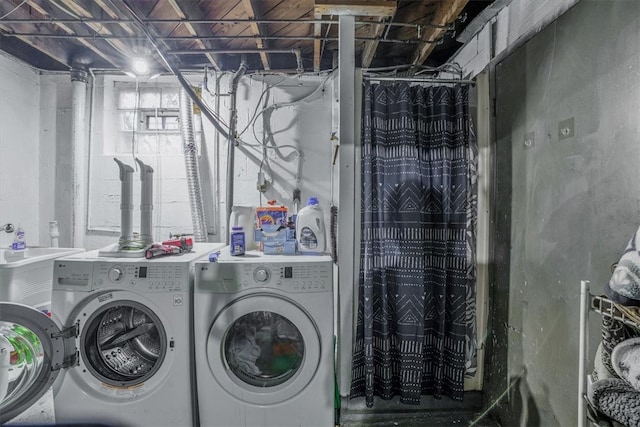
x: 529, y: 140
x: 566, y: 129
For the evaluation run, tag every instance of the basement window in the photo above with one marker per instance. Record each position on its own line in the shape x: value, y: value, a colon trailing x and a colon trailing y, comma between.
x: 147, y: 119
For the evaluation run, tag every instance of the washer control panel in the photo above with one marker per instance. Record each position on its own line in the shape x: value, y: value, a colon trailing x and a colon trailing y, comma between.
x: 143, y: 276
x: 294, y: 277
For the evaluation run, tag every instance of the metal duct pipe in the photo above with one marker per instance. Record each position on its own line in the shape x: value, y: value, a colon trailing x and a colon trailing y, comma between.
x: 126, y: 204
x: 296, y: 52
x: 146, y: 203
x: 233, y: 119
x: 78, y: 189
x: 191, y: 164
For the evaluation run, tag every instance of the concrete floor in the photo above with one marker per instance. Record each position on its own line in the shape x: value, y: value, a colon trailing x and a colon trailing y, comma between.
x: 42, y: 413
x: 39, y: 413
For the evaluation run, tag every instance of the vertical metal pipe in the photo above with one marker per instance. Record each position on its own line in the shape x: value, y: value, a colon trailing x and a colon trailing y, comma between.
x: 78, y: 189
x: 146, y: 203
x: 126, y: 204
x: 233, y: 119
x: 346, y: 220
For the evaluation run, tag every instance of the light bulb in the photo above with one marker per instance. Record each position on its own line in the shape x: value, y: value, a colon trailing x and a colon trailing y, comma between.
x: 140, y: 66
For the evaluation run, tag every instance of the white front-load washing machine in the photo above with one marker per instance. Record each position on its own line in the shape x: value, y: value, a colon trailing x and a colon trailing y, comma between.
x: 118, y: 348
x: 264, y: 340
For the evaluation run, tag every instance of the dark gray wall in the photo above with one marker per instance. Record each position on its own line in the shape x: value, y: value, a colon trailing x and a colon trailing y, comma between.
x: 567, y: 205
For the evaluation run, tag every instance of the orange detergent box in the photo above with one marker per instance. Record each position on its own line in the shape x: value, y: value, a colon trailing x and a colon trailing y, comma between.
x: 271, y: 218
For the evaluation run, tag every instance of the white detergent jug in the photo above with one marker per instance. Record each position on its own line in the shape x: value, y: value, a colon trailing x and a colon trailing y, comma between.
x: 245, y: 217
x: 310, y: 228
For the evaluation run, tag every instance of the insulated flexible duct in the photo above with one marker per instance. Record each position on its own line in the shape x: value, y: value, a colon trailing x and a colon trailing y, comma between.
x: 191, y: 164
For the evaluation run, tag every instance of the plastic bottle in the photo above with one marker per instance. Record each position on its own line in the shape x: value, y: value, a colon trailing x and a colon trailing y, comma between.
x: 19, y: 242
x: 310, y: 232
x: 237, y: 241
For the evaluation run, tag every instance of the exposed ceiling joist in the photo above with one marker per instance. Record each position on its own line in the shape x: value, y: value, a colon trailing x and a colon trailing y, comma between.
x: 98, y: 28
x: 99, y: 49
x: 107, y: 7
x: 109, y: 33
x: 255, y: 28
x: 370, y: 48
x: 188, y: 9
x: 317, y: 44
x: 54, y: 49
x: 380, y: 8
x: 447, y: 12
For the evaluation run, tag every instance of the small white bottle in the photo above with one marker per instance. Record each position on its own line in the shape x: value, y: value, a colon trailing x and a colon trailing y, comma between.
x: 310, y: 230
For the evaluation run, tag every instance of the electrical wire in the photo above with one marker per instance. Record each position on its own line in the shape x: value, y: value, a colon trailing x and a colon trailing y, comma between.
x: 255, y: 111
x: 13, y: 10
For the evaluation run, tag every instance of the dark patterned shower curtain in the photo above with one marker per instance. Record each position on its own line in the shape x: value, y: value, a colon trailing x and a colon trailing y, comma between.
x: 416, y: 330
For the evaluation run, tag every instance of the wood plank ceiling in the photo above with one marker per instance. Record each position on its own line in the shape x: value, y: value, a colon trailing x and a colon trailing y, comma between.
x: 271, y: 35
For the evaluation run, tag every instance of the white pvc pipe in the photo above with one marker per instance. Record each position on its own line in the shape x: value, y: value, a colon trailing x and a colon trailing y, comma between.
x: 584, y: 344
x: 78, y: 154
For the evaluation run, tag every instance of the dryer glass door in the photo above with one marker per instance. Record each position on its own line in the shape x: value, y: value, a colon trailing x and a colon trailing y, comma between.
x: 264, y: 349
x: 32, y: 351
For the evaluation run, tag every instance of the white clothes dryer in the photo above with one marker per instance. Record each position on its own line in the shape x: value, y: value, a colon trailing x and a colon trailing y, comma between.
x: 264, y: 340
x: 118, y: 348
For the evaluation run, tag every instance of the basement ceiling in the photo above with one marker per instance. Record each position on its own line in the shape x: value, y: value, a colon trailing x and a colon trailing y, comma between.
x: 269, y: 35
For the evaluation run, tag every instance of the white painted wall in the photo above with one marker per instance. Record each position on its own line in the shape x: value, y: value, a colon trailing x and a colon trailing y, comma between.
x: 19, y: 149
x: 36, y: 172
x: 302, y: 130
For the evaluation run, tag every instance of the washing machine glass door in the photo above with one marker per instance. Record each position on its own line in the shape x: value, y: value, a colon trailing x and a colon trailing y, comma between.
x: 123, y: 342
x: 263, y: 349
x: 33, y: 349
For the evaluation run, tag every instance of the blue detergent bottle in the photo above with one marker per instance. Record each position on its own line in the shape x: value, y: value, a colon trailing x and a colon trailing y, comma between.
x: 237, y: 241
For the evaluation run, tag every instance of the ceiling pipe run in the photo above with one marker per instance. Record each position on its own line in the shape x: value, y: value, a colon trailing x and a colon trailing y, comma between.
x: 212, y: 22
x: 296, y: 52
x: 212, y: 38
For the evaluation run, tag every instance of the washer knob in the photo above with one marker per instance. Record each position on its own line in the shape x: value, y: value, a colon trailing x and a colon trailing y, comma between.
x: 261, y: 275
x: 116, y: 274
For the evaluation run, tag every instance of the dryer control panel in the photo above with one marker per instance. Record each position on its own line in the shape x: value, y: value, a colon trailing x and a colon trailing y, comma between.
x: 293, y: 277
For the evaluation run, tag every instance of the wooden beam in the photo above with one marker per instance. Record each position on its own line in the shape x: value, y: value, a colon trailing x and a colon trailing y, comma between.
x: 51, y: 48
x: 447, y: 12
x: 81, y: 11
x: 97, y: 46
x: 113, y: 15
x: 186, y: 9
x: 383, y: 8
x: 370, y: 48
x: 255, y: 28
x: 317, y: 44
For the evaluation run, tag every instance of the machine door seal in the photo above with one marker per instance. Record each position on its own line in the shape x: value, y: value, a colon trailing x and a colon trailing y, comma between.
x: 33, y: 349
x: 247, y: 386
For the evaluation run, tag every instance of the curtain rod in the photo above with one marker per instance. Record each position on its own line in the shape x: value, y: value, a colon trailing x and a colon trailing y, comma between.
x: 418, y: 80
